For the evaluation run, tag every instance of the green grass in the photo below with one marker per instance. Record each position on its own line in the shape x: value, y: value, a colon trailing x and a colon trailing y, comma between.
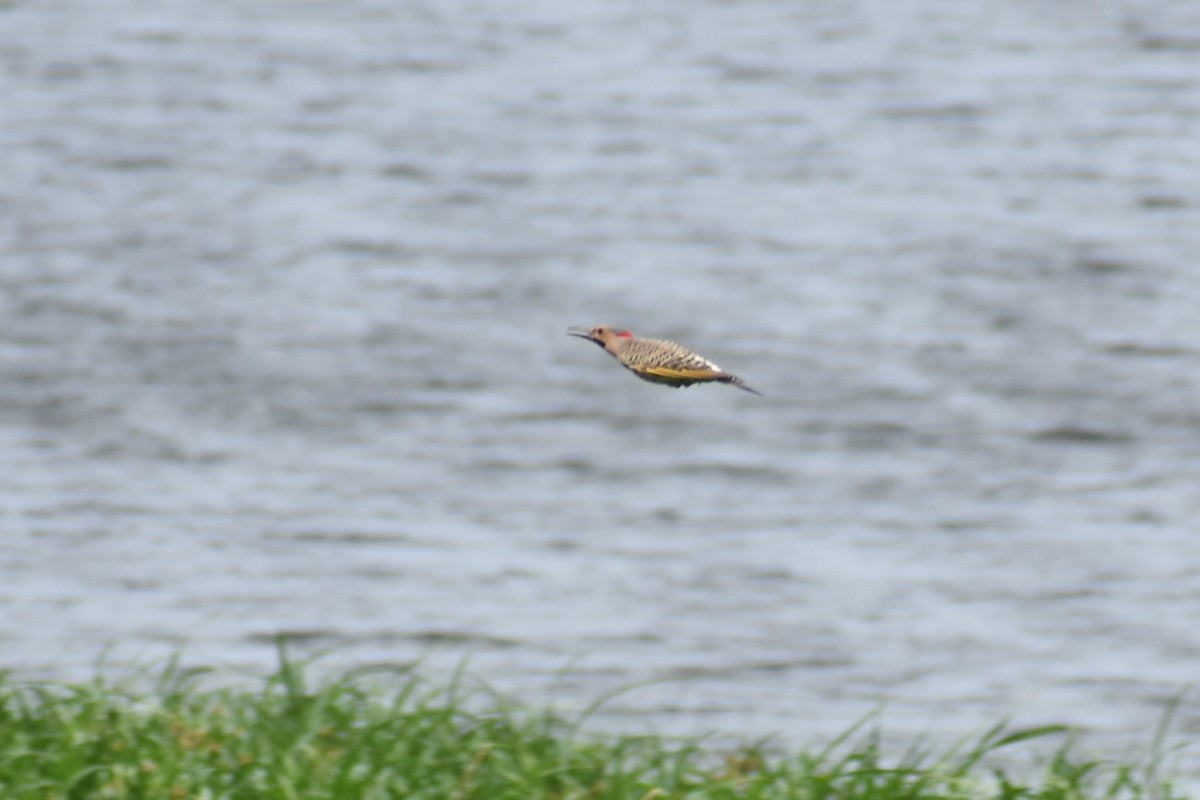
x: 365, y: 735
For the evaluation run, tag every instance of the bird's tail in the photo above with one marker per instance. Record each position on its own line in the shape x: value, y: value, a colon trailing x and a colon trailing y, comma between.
x: 734, y: 380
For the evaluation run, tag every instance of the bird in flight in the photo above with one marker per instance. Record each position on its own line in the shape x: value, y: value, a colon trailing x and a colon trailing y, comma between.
x: 657, y: 360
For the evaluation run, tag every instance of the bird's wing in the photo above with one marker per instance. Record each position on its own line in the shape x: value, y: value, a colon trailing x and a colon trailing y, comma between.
x: 681, y: 373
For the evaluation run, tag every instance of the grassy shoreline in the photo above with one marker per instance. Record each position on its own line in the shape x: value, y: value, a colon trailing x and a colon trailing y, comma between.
x: 368, y: 734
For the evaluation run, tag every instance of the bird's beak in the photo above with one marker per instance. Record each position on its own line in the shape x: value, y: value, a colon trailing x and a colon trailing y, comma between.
x: 582, y: 333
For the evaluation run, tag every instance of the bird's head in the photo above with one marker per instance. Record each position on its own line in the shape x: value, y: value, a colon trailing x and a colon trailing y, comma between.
x: 603, y: 335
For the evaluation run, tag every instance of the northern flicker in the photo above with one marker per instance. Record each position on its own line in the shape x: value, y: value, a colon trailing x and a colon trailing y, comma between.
x: 657, y: 360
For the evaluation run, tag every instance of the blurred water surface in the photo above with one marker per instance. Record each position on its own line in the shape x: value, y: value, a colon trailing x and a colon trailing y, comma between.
x: 283, y: 294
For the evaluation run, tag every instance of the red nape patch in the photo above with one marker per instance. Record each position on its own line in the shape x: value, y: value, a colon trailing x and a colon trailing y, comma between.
x: 625, y: 334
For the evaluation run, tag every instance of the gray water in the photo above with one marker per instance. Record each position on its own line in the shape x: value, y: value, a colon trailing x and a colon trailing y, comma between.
x: 285, y: 287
